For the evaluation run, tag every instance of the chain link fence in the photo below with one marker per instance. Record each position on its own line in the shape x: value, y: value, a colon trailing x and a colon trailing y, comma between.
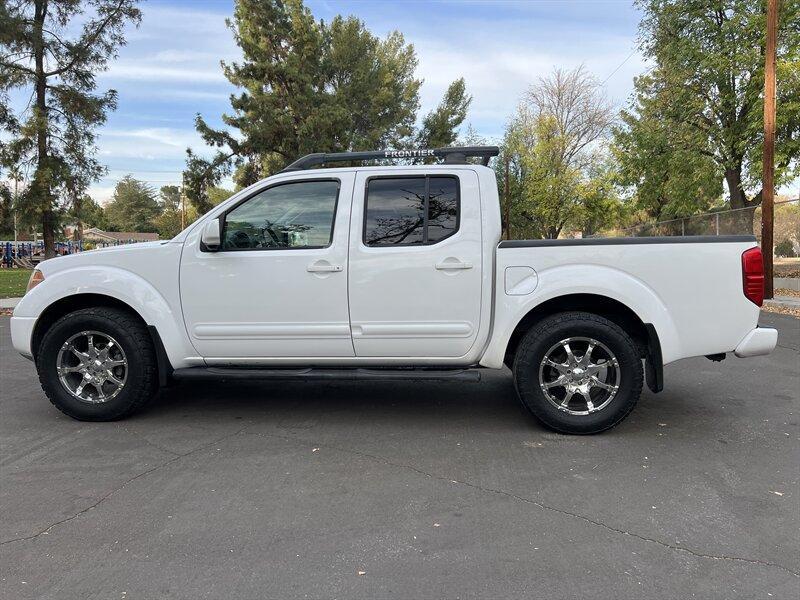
x: 740, y: 221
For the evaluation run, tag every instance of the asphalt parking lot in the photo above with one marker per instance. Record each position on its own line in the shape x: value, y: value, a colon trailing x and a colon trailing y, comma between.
x: 406, y: 490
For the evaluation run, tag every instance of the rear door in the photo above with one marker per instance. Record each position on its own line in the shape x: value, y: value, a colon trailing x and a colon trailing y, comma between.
x: 415, y: 263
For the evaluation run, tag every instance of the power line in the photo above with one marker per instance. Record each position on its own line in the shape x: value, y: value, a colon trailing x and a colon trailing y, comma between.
x: 627, y: 58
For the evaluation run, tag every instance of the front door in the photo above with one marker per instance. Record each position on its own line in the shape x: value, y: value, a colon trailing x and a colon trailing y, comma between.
x: 415, y: 263
x: 278, y: 285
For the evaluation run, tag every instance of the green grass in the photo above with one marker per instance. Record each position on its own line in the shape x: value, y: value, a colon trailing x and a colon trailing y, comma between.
x: 13, y: 282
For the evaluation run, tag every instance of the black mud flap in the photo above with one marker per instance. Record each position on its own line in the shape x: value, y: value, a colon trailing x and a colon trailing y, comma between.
x: 165, y: 369
x: 654, y: 364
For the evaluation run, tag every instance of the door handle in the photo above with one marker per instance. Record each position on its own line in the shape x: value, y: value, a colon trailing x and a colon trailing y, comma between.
x: 446, y: 266
x: 317, y: 268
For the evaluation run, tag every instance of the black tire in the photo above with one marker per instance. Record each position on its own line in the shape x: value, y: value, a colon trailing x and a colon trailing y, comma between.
x: 551, y: 331
x: 141, y: 380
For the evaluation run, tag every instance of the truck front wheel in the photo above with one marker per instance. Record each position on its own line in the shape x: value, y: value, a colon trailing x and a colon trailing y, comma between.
x: 98, y: 364
x: 578, y: 373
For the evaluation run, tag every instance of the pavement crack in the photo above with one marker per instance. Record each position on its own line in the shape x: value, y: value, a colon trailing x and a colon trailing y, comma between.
x: 542, y: 505
x: 119, y: 488
x: 149, y: 442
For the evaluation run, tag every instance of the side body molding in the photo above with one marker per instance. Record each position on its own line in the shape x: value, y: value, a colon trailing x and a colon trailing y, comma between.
x: 122, y: 285
x: 578, y: 279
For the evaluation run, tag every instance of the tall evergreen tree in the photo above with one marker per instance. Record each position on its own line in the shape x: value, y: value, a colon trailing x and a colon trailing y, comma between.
x: 54, y: 49
x: 309, y: 86
x: 440, y: 126
x: 133, y: 206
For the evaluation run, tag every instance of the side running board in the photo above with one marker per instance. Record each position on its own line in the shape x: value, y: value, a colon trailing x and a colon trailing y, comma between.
x: 344, y: 374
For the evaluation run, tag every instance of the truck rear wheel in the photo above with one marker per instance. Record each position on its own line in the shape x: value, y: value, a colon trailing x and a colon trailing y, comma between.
x: 98, y: 364
x: 578, y: 373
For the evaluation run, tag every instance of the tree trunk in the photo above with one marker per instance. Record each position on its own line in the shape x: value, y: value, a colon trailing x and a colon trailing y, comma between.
x: 77, y: 204
x: 42, y: 164
x: 741, y: 220
x: 733, y: 177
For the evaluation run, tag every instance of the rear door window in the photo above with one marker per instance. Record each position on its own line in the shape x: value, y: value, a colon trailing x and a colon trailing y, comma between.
x: 411, y: 211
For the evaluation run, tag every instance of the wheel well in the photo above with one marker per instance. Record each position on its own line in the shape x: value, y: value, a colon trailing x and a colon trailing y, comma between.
x: 613, y: 310
x: 70, y: 304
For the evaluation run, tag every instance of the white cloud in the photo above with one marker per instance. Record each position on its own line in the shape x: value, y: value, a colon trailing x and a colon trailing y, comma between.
x: 150, y: 144
x: 142, y: 71
x: 497, y: 72
x: 101, y: 193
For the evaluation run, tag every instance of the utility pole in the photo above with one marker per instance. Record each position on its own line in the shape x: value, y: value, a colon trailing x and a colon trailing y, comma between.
x: 768, y: 186
x: 508, y: 200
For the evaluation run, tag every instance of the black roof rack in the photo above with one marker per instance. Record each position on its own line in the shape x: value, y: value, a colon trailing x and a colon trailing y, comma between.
x: 452, y: 156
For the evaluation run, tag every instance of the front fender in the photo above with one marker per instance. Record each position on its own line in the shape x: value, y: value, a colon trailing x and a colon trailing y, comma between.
x: 580, y: 279
x: 122, y: 285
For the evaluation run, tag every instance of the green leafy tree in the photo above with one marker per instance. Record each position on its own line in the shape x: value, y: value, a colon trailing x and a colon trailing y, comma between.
x: 309, y: 86
x: 170, y: 197
x: 545, y: 189
x: 599, y: 204
x: 54, y: 50
x: 698, y: 116
x: 133, y: 206
x: 217, y: 195
x: 168, y: 222
x: 6, y: 214
x: 669, y: 169
x: 87, y: 213
x: 555, y: 157
x: 784, y: 249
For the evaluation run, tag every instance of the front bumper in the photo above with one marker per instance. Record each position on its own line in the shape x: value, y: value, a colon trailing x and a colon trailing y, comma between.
x: 21, y: 332
x: 761, y: 340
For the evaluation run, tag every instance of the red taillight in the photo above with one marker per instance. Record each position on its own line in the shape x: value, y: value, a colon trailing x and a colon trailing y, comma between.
x: 753, y: 275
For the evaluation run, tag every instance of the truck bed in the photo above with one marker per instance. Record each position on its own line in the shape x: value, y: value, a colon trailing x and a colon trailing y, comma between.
x: 689, y: 288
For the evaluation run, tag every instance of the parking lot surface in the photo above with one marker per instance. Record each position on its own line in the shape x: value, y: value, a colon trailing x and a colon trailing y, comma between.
x: 406, y: 490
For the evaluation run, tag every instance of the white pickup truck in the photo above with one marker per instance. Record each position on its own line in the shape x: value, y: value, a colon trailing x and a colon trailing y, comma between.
x: 387, y: 272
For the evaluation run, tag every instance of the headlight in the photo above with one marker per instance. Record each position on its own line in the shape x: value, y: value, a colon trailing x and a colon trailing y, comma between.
x: 37, y: 277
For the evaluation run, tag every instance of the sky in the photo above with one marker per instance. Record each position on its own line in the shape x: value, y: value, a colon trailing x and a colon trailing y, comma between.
x: 169, y: 70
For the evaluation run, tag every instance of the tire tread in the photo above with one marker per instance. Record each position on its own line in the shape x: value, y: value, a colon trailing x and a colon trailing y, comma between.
x: 145, y: 388
x: 543, y: 329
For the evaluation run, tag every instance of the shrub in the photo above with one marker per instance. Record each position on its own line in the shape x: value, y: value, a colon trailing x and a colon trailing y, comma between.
x: 785, y: 249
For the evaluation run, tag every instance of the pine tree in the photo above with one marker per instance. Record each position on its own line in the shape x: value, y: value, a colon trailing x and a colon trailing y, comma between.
x: 53, y: 140
x: 311, y: 86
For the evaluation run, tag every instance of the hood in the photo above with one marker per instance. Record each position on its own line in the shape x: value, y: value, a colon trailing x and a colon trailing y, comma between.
x: 111, y: 255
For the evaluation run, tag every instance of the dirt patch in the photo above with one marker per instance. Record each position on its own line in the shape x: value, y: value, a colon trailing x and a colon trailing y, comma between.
x: 781, y: 310
x: 786, y: 292
x: 786, y: 267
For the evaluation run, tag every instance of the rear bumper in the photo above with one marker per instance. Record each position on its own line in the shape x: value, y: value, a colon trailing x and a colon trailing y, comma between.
x: 21, y: 332
x: 761, y: 340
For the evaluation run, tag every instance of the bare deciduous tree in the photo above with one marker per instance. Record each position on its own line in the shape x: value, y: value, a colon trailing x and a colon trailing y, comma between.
x: 577, y: 103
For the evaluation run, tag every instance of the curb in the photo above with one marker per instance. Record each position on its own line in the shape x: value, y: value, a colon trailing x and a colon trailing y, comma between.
x: 9, y: 302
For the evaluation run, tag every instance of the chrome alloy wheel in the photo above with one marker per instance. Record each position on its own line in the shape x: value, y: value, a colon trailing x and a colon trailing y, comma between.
x: 92, y: 367
x: 579, y: 375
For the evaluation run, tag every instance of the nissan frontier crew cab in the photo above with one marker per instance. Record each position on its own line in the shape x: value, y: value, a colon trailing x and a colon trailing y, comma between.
x: 387, y: 272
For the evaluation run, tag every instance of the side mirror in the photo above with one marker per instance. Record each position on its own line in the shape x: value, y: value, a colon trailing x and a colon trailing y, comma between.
x: 211, y: 237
